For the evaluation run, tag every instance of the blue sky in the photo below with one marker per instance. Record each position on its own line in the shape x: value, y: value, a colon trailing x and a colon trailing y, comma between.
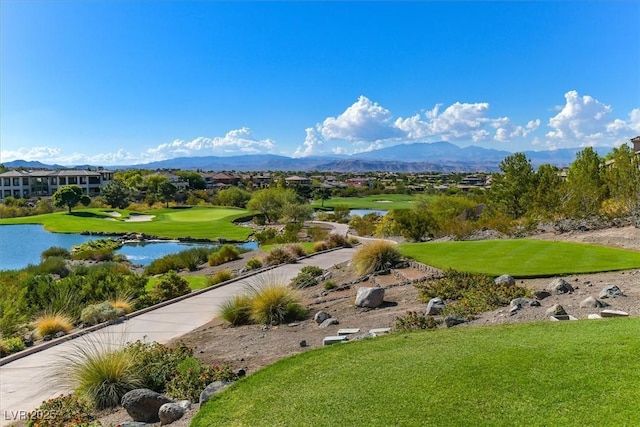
x: 124, y: 82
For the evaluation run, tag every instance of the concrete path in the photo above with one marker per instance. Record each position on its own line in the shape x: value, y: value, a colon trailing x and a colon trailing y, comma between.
x: 24, y: 382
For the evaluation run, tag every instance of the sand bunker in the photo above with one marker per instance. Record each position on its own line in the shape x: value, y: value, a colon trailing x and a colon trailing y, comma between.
x: 113, y: 213
x: 140, y: 218
x: 383, y: 201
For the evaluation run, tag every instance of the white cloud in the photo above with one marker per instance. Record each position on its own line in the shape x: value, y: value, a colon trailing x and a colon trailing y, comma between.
x: 584, y: 121
x: 364, y: 121
x: 368, y: 125
x: 237, y: 140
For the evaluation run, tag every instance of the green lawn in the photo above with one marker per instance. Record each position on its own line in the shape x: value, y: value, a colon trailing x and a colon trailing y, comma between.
x: 582, y: 373
x: 522, y: 257
x: 380, y: 202
x: 195, y: 282
x: 197, y: 222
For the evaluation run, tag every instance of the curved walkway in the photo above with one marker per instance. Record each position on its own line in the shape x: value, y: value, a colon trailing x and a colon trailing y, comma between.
x: 23, y: 384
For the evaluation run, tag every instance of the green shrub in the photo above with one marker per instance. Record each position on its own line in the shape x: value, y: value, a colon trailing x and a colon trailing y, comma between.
x: 65, y: 410
x: 170, y: 286
x: 219, y: 277
x: 99, y: 374
x: 330, y: 284
x: 237, y: 310
x: 12, y: 315
x: 376, y: 256
x: 266, y: 236
x: 55, y: 251
x: 52, y: 323
x: 164, y: 265
x: 279, y: 256
x: 191, y: 377
x: 254, y: 264
x: 225, y: 254
x: 276, y: 304
x: 469, y: 293
x: 157, y: 362
x: 307, y: 277
x: 11, y: 345
x: 52, y: 265
x: 103, y: 254
x: 98, y: 313
x: 316, y: 233
x: 414, y: 320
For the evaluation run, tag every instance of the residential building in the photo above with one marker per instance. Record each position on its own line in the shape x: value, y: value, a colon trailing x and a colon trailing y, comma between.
x: 43, y: 183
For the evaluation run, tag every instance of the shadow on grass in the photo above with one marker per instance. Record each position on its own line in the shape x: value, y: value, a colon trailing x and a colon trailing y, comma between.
x: 87, y: 215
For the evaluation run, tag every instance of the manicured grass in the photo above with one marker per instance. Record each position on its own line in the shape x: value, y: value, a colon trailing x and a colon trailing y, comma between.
x: 197, y: 222
x: 195, y: 282
x: 552, y: 373
x: 522, y: 257
x: 379, y: 202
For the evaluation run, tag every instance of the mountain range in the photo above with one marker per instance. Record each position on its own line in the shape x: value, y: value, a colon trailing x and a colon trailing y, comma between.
x: 413, y: 157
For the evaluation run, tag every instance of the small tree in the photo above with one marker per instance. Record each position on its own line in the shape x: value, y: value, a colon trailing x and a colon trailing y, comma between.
x: 171, y: 285
x: 166, y: 192
x: 117, y: 194
x: 69, y: 196
x: 322, y: 193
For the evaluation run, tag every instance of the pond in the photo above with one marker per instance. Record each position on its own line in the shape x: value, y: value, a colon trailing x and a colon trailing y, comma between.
x: 21, y: 245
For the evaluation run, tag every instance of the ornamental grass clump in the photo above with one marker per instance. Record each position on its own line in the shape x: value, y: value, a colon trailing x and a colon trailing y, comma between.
x: 307, y: 277
x: 254, y: 264
x: 219, y: 277
x: 376, y: 256
x: 237, y: 310
x: 334, y: 240
x: 226, y: 253
x: 279, y: 256
x: 51, y: 323
x: 99, y: 373
x: 297, y: 250
x: 275, y: 304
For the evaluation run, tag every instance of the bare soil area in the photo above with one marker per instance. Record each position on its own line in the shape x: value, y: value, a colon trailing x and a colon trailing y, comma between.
x: 253, y: 347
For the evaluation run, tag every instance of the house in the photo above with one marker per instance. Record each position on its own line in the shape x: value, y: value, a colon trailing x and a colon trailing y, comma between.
x: 297, y: 181
x: 43, y: 183
x: 220, y: 179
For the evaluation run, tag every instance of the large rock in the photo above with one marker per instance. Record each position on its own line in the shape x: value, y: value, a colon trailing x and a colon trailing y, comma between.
x: 330, y: 321
x: 170, y: 412
x: 614, y: 313
x: 556, y: 310
x: 435, y: 306
x: 611, y: 291
x: 143, y: 404
x: 524, y: 302
x: 369, y: 297
x: 560, y: 286
x: 321, y: 316
x: 505, y: 279
x: 591, y: 302
x: 212, y: 389
x: 541, y: 294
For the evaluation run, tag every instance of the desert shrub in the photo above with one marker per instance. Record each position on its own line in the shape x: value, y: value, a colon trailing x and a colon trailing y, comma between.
x: 191, y: 377
x: 275, y: 304
x: 65, y: 410
x: 122, y: 303
x: 364, y: 225
x: 98, y: 313
x: 469, y: 293
x: 264, y: 237
x: 330, y: 284
x: 320, y: 246
x: 279, y: 255
x: 170, y: 286
x: 52, y: 323
x: 376, y: 256
x: 157, y: 362
x: 99, y: 374
x: 52, y: 265
x: 307, y: 277
x: 99, y: 254
x: 297, y: 250
x: 414, y: 320
x: 164, y: 265
x: 316, y: 233
x: 237, y: 310
x: 55, y: 251
x: 12, y: 313
x: 11, y: 345
x: 226, y: 253
x: 219, y: 277
x: 334, y: 240
x: 341, y: 213
x: 254, y: 264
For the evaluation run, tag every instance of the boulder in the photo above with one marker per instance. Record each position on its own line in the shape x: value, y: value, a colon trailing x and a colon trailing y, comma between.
x: 556, y: 310
x: 143, y: 404
x: 369, y: 297
x: 330, y: 321
x: 321, y: 316
x: 611, y: 291
x: 541, y: 294
x: 614, y: 313
x: 505, y: 279
x: 452, y: 321
x: 435, y: 306
x: 591, y: 302
x: 560, y: 286
x: 212, y: 389
x: 170, y: 412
